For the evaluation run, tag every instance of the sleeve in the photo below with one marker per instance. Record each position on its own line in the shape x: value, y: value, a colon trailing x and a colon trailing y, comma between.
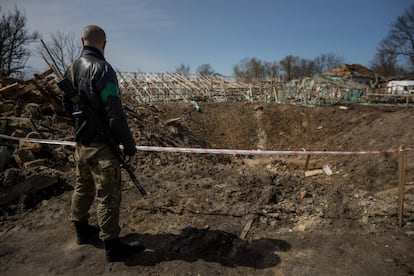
x: 118, y: 124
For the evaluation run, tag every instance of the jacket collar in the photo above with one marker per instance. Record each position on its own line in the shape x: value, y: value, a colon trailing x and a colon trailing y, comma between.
x: 88, y: 50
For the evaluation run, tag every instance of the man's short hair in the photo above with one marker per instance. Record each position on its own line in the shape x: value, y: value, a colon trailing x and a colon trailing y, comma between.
x: 94, y: 34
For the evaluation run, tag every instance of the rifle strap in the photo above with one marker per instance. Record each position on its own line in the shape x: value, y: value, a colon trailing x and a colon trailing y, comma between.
x: 75, y: 99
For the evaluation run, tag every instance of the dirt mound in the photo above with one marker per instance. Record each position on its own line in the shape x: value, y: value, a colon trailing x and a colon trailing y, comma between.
x: 233, y: 214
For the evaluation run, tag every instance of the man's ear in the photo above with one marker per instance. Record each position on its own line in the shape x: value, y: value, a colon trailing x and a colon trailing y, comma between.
x: 83, y: 41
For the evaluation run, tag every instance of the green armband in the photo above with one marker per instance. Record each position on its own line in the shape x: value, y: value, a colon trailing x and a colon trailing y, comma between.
x: 111, y: 89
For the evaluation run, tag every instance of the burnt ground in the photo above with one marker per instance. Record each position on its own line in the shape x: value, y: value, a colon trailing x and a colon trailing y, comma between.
x: 235, y: 215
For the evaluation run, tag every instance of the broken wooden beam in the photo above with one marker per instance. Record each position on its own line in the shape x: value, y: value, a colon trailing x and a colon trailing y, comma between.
x: 9, y: 88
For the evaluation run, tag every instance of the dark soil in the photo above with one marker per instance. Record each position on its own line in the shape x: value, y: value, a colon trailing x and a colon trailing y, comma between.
x: 238, y: 215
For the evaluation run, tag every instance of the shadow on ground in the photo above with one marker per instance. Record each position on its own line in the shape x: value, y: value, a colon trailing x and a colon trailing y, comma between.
x: 209, y: 245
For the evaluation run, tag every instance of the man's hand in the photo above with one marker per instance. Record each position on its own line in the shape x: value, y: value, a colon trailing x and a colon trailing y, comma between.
x: 129, y: 152
x: 127, y: 158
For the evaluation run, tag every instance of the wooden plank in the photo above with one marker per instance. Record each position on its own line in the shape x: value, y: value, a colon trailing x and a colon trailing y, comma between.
x: 388, y: 95
x: 313, y: 172
x: 401, y: 184
x: 21, y: 92
x: 46, y: 73
x: 9, y: 88
x: 156, y: 78
x: 170, y: 121
x: 246, y: 229
x: 7, y: 113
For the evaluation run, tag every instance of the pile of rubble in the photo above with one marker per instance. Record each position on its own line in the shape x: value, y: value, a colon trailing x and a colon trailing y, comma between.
x: 29, y: 109
x: 27, y: 169
x: 40, y: 90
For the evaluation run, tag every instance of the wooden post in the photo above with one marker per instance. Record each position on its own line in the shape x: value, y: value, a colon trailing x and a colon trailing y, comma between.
x: 274, y: 92
x: 401, y: 184
x: 307, y: 162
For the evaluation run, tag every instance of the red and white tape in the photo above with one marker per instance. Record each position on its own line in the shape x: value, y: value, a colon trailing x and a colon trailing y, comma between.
x: 217, y: 151
x: 261, y: 152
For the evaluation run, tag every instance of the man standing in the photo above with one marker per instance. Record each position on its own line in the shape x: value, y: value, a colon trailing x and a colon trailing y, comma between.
x: 97, y: 166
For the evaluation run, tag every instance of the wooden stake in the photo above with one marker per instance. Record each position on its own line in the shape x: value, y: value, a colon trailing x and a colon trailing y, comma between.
x: 307, y: 162
x: 401, y: 185
x: 246, y: 228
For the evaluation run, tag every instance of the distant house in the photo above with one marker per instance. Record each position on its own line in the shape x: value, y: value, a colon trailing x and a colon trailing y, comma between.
x: 400, y: 87
x: 355, y: 73
x: 401, y: 84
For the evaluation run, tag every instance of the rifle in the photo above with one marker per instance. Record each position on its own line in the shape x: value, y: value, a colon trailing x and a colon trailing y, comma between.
x: 66, y: 85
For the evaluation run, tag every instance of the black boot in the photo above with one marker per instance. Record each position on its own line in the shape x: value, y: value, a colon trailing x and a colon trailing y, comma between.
x: 86, y: 233
x: 117, y: 251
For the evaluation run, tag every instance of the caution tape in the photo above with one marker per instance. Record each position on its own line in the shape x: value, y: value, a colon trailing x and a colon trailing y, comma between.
x: 40, y: 141
x: 217, y: 151
x: 260, y: 152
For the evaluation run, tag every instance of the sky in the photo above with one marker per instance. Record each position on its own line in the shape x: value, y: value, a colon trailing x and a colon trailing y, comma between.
x: 158, y: 35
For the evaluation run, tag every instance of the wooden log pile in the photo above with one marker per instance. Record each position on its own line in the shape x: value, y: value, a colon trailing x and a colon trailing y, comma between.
x: 41, y: 89
x: 31, y: 109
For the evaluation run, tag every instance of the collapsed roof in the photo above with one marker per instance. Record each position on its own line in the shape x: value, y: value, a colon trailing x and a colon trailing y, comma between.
x: 351, y: 70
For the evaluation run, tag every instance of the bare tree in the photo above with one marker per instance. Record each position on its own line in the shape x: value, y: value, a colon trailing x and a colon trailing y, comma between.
x: 64, y: 48
x: 305, y: 68
x: 386, y: 64
x: 271, y: 69
x: 253, y: 70
x: 292, y: 67
x: 14, y: 41
x: 205, y: 69
x: 240, y: 70
x: 289, y: 66
x: 295, y: 67
x: 326, y: 62
x: 183, y: 69
x: 249, y: 70
x: 400, y: 39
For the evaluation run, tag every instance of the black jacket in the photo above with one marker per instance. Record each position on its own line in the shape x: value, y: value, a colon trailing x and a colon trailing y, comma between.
x: 96, y: 83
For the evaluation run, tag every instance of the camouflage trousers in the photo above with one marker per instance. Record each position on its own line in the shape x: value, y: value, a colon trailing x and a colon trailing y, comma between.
x: 97, y: 175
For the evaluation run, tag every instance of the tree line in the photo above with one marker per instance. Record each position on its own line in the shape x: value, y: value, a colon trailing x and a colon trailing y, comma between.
x: 394, y: 55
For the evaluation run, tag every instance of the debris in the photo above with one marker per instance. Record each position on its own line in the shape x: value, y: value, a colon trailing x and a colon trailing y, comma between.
x: 14, y: 192
x: 409, y: 233
x: 25, y: 185
x: 258, y: 108
x: 327, y: 169
x: 313, y: 172
x: 33, y: 147
x: 8, y: 88
x: 351, y: 70
x: 11, y: 177
x: 246, y: 228
x: 4, y: 157
x: 196, y: 106
x: 170, y: 121
x: 34, y: 163
x: 304, y: 194
x: 40, y: 91
x: 22, y: 156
